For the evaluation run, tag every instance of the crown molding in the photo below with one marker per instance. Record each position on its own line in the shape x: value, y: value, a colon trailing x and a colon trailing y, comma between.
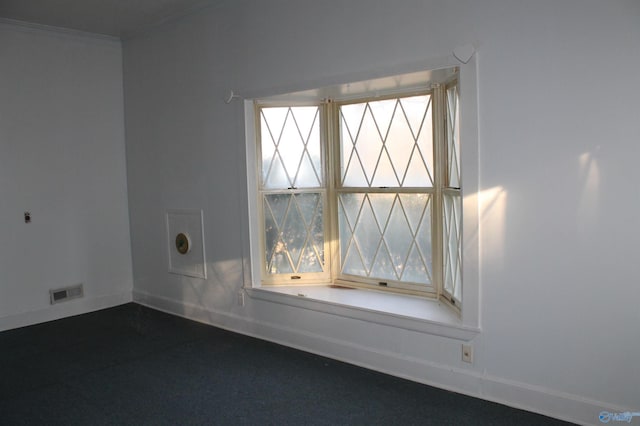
x: 199, y: 7
x: 41, y: 28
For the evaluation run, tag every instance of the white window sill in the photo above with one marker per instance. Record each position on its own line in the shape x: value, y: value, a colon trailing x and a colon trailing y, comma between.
x: 395, y: 310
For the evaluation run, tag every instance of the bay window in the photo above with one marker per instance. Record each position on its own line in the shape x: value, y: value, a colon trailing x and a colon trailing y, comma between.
x: 362, y: 191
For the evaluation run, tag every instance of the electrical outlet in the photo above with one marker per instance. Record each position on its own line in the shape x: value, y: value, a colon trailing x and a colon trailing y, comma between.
x: 467, y: 353
x: 241, y: 298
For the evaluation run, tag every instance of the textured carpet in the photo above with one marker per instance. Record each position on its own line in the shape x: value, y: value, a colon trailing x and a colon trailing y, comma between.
x: 131, y: 365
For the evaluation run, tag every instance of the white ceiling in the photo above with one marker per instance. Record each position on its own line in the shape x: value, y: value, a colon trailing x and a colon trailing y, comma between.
x: 118, y: 18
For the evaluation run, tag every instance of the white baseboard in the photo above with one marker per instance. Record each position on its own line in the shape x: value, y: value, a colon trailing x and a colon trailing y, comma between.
x: 549, y: 402
x: 63, y: 310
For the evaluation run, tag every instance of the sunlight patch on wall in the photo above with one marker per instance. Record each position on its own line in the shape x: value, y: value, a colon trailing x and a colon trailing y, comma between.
x: 492, y: 206
x: 589, y: 178
x: 219, y: 290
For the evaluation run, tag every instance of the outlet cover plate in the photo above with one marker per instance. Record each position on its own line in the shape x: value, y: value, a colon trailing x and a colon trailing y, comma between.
x: 467, y: 353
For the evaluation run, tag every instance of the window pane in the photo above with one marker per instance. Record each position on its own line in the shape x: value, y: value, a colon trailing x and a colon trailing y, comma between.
x: 398, y: 238
x: 453, y: 139
x: 367, y: 235
x: 294, y: 239
x: 381, y: 236
x: 290, y: 145
x: 383, y: 266
x: 271, y: 122
x: 416, y: 270
x: 417, y: 211
x: 275, y: 208
x: 400, y: 146
x: 419, y: 113
x: 387, y: 143
x: 348, y: 211
x: 312, y: 256
x: 452, y: 249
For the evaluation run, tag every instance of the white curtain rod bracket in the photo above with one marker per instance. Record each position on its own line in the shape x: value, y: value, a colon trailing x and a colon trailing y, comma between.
x: 230, y: 96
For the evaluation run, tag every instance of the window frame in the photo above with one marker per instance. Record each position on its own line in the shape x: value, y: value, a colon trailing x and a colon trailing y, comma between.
x: 392, y: 286
x: 331, y: 186
x: 295, y: 278
x: 472, y: 196
x: 448, y: 189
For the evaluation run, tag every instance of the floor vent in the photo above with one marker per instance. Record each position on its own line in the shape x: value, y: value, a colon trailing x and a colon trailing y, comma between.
x: 63, y: 294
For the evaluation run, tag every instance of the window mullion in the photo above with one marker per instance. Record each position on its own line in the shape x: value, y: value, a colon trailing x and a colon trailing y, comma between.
x: 264, y: 262
x: 330, y: 128
x: 439, y: 155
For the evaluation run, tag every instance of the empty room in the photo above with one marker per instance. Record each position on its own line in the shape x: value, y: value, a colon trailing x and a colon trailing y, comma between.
x: 319, y: 212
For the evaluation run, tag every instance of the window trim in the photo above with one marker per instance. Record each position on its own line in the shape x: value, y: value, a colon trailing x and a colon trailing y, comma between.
x: 468, y: 132
x: 331, y: 186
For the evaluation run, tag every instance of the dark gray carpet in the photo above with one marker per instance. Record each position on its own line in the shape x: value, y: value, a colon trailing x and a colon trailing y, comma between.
x: 131, y: 365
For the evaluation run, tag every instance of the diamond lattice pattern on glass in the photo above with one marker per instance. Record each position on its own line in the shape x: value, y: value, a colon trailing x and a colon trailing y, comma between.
x: 387, y: 143
x: 294, y: 238
x: 453, y: 142
x: 290, y: 146
x: 452, y: 249
x: 386, y: 236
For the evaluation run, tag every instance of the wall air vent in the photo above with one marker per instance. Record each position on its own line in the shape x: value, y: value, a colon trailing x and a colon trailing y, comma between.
x: 63, y: 294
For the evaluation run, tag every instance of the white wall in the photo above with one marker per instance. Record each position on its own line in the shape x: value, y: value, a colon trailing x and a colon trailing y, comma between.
x: 62, y: 159
x: 558, y: 129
